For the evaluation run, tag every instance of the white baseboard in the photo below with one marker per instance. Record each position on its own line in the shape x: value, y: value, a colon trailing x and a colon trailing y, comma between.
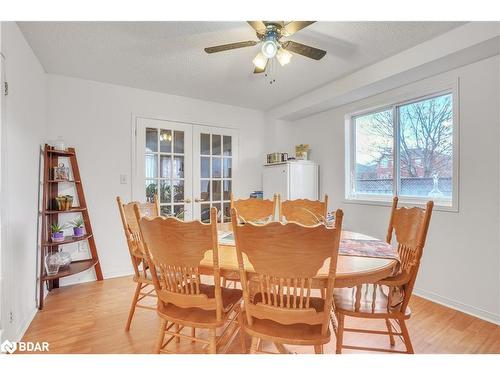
x: 113, y: 275
x: 24, y: 327
x: 455, y: 305
x: 108, y: 275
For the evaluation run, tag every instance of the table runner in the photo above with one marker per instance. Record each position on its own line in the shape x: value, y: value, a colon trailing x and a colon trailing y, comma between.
x: 368, y: 248
x: 371, y: 248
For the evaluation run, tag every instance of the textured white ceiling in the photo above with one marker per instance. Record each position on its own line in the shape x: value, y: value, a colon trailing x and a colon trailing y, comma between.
x: 168, y: 56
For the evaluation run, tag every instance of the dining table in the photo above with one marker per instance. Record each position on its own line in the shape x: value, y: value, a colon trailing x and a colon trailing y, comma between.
x: 352, y: 270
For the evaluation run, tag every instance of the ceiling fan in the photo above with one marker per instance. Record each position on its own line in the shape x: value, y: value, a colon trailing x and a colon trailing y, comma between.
x: 269, y: 34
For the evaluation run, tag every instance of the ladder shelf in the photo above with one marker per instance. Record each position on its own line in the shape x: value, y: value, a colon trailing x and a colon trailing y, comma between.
x: 50, y: 215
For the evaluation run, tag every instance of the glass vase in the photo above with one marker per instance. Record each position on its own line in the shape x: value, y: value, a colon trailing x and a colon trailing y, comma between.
x: 52, y: 263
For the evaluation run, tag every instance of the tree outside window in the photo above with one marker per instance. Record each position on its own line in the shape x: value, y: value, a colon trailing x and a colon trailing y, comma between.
x: 424, y: 144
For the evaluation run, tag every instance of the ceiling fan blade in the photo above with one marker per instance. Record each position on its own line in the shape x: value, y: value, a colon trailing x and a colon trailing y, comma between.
x: 258, y: 26
x: 226, y: 47
x: 258, y: 70
x: 294, y: 26
x: 302, y: 49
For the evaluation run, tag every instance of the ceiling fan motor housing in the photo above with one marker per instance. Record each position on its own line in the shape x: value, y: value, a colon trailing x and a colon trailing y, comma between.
x: 270, y: 43
x: 273, y: 31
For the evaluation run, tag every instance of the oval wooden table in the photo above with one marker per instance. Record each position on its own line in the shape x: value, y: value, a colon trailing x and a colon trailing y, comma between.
x: 351, y: 270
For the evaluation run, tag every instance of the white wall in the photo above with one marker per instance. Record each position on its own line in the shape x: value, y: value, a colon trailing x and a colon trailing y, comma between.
x: 23, y: 128
x: 96, y: 119
x: 460, y: 266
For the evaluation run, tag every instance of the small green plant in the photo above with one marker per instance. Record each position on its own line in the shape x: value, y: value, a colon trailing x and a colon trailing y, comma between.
x: 56, y: 227
x: 77, y: 222
x: 180, y: 215
x: 150, y: 192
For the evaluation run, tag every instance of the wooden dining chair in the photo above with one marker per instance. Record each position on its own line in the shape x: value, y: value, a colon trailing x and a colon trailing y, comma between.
x: 142, y: 277
x: 175, y: 250
x: 255, y: 210
x: 304, y: 211
x: 285, y: 259
x: 388, y: 299
x: 251, y: 210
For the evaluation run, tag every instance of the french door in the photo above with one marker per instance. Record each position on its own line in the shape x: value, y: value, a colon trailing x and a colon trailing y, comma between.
x: 164, y: 165
x: 215, y: 160
x: 189, y: 167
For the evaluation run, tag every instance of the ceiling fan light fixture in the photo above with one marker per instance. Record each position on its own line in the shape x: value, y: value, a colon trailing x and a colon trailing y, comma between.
x: 283, y: 56
x: 269, y: 48
x: 260, y: 61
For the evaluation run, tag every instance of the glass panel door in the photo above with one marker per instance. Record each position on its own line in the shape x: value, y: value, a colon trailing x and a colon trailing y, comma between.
x: 214, y: 161
x: 164, y: 165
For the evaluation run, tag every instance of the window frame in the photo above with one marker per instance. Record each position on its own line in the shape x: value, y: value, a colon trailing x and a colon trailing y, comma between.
x: 393, y: 104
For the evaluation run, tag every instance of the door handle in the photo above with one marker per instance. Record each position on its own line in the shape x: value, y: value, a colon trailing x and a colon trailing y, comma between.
x: 197, y: 200
x: 187, y: 200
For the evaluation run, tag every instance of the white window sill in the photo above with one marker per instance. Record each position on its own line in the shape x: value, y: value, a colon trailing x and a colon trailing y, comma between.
x: 387, y: 202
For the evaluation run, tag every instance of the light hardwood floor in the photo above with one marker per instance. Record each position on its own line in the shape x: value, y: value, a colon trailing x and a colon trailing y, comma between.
x: 90, y: 318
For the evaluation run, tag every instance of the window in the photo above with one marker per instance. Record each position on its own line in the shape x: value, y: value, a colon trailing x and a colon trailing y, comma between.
x: 164, y: 170
x: 216, y: 160
x: 406, y: 149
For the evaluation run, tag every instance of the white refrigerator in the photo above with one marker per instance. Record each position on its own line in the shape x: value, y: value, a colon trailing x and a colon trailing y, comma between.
x: 292, y: 179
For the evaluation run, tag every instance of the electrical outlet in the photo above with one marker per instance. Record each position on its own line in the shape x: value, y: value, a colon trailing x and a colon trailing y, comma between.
x: 11, y: 317
x: 123, y: 179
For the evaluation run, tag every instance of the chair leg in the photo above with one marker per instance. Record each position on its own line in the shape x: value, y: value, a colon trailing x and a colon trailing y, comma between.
x: 254, y: 345
x: 323, y: 293
x: 389, y: 329
x: 281, y: 348
x: 212, y: 346
x: 318, y: 349
x: 193, y: 333
x: 161, y: 336
x: 132, y: 306
x: 340, y: 333
x: 224, y: 282
x: 242, y: 332
x: 406, y: 336
x: 177, y: 330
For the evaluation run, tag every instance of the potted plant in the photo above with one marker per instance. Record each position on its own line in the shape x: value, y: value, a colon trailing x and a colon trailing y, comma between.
x: 64, y: 202
x: 78, y: 227
x: 57, y: 232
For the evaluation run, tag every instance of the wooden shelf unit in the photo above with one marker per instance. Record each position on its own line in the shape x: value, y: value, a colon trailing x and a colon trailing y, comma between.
x: 67, y: 240
x: 74, y: 267
x: 50, y: 215
x: 63, y: 153
x: 59, y: 212
x: 60, y: 181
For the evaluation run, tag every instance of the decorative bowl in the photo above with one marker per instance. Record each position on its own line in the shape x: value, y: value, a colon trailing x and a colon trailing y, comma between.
x: 64, y: 259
